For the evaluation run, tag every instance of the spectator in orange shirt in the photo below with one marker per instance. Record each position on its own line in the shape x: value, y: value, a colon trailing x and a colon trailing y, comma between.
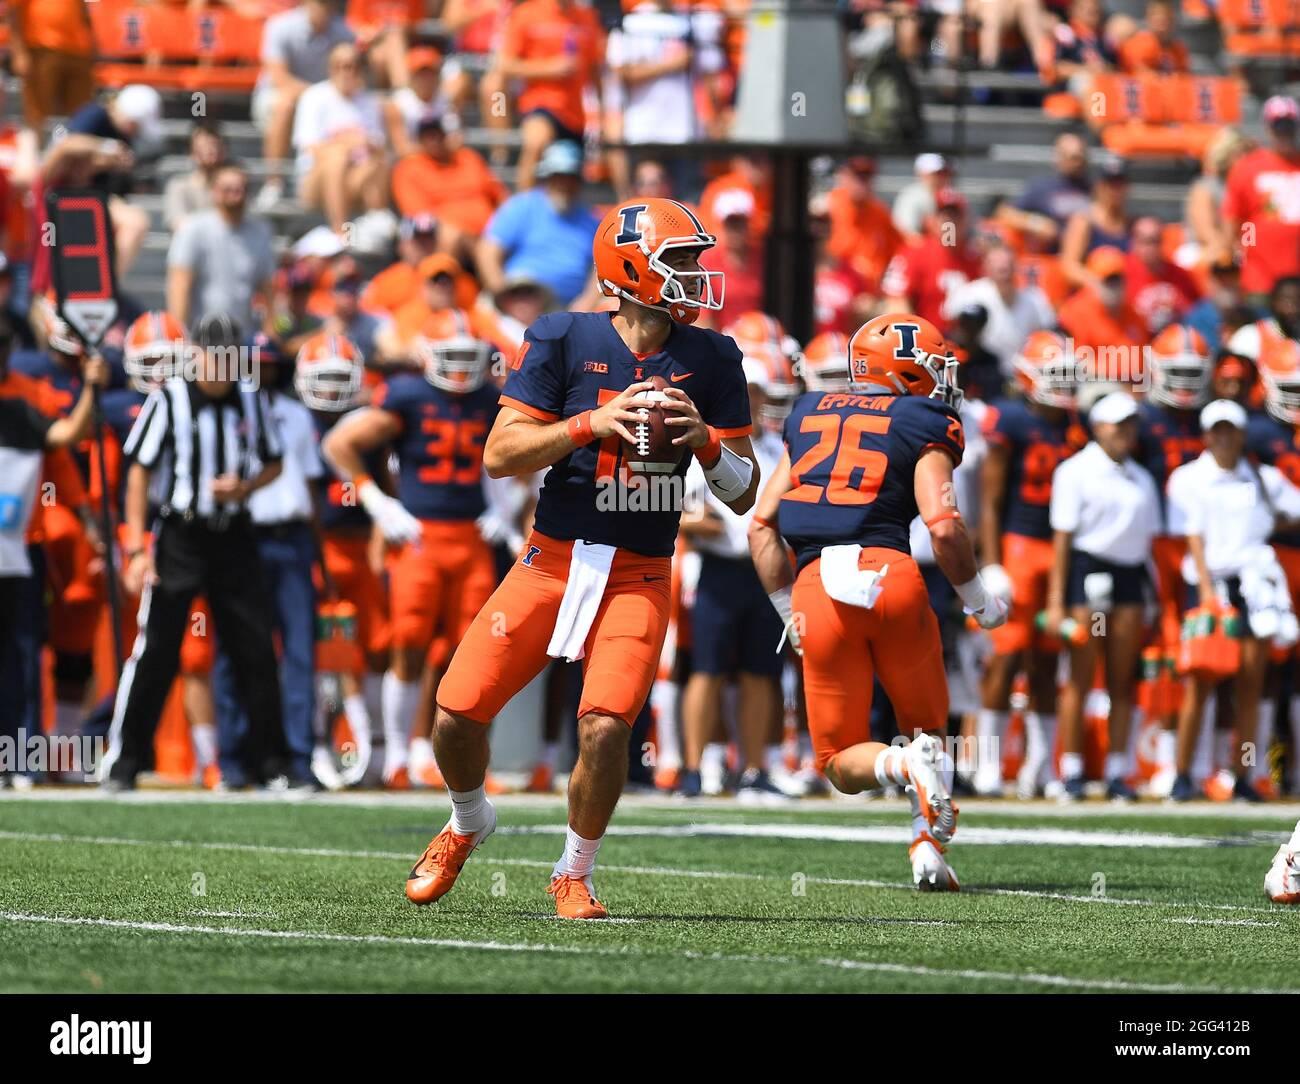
x: 863, y: 236
x: 397, y: 284
x: 442, y: 286
x: 51, y: 51
x: 737, y: 256
x: 1099, y: 318
x: 751, y: 174
x: 1155, y: 49
x: 382, y: 28
x: 454, y: 184
x: 555, y: 47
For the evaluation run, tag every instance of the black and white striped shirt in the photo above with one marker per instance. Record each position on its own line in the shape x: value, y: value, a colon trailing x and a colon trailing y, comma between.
x: 187, y: 440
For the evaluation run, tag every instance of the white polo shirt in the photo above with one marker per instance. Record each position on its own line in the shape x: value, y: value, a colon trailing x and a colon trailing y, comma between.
x: 1112, y: 509
x: 289, y: 496
x: 1227, y: 510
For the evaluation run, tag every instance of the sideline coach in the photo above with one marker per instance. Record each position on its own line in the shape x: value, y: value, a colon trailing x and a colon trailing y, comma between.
x: 204, y: 442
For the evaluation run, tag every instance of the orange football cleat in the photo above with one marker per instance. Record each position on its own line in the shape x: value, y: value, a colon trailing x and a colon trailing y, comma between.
x: 668, y: 778
x: 1218, y: 788
x: 574, y: 898
x: 211, y: 777
x: 427, y: 775
x: 494, y: 786
x: 433, y: 875
x: 398, y: 780
x: 542, y: 781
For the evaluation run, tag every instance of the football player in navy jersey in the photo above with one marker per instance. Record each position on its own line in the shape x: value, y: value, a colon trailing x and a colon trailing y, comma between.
x: 328, y: 376
x: 441, y: 570
x: 1027, y: 438
x: 1169, y: 435
x: 593, y: 580
x: 859, y: 467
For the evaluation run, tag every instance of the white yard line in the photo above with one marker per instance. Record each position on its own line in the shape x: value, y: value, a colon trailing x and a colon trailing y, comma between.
x: 1221, y: 922
x: 1026, y: 978
x: 486, y: 858
x: 1282, y: 813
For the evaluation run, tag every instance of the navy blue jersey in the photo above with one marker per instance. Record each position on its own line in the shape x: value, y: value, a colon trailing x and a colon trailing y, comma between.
x: 1276, y: 444
x: 67, y: 390
x: 572, y: 362
x: 852, y: 461
x: 1167, y: 438
x: 1036, y: 445
x: 440, y: 449
x: 339, y: 507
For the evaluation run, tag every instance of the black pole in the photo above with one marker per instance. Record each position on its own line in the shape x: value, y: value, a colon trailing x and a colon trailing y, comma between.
x: 107, y: 533
x: 789, y: 274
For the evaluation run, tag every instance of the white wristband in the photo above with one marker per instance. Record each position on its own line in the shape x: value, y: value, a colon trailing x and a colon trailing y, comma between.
x: 730, y: 476
x: 782, y: 602
x: 973, y: 594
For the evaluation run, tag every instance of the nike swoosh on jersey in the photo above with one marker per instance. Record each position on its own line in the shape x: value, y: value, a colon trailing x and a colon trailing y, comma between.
x: 677, y: 378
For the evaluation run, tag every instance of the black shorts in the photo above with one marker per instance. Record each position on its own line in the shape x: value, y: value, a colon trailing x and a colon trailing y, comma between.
x: 1128, y: 584
x: 563, y: 133
x: 1192, y: 594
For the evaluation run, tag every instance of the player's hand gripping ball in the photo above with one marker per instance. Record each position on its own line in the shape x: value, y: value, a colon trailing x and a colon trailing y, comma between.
x: 651, y: 450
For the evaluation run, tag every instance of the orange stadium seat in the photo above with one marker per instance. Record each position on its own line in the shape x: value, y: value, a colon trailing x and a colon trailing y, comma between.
x: 209, y: 49
x: 1162, y: 115
x: 1260, y: 28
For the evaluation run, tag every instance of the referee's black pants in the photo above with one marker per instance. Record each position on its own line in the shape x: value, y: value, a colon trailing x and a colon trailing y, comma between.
x: 191, y: 557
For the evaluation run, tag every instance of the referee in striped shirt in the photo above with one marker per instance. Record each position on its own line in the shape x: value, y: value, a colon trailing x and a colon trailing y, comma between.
x: 202, y: 443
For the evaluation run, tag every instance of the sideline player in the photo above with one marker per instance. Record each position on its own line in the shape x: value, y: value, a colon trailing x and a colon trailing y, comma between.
x: 593, y: 581
x: 859, y: 467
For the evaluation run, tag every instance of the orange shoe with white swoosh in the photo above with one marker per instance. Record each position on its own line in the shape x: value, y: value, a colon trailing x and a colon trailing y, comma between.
x: 575, y: 897
x: 433, y: 875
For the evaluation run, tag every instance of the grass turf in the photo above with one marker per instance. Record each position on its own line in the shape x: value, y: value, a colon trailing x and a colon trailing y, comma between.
x: 274, y: 895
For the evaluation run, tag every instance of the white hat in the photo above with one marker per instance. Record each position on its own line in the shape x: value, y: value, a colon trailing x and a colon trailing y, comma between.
x: 1222, y: 410
x: 733, y: 203
x: 1116, y: 407
x: 930, y: 163
x: 318, y: 241
x: 142, y: 105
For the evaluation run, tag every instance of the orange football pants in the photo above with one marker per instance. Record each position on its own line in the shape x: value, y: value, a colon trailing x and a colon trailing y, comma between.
x: 505, y: 647
x: 844, y: 647
x: 1028, y: 562
x: 437, y: 587
x: 348, y: 564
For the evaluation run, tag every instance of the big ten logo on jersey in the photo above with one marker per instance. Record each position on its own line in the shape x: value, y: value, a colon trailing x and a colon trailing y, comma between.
x: 619, y: 489
x: 453, y: 452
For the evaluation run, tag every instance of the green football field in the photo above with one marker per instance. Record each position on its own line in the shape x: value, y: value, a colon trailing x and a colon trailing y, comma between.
x: 189, y: 892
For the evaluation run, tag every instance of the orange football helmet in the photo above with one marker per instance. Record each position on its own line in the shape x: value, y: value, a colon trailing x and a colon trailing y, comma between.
x: 1180, y: 368
x: 454, y: 358
x: 629, y: 250
x: 1046, y: 370
x: 54, y: 329
x: 327, y: 373
x: 825, y: 364
x: 905, y: 355
x: 1279, y: 370
x: 153, y: 351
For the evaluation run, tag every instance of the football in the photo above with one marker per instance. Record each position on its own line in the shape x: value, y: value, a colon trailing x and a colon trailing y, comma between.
x: 652, y: 451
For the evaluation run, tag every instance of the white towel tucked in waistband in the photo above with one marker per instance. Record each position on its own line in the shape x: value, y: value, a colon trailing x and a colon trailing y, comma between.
x: 845, y: 582
x: 588, y: 573
x: 1268, y: 598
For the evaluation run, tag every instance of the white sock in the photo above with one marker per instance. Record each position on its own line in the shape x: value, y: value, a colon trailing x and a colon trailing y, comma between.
x: 663, y: 701
x: 579, y: 858
x: 891, y: 767
x: 550, y: 754
x: 1071, y: 765
x: 714, y: 757
x: 774, y: 759
x: 990, y: 727
x: 400, y: 700
x: 1116, y: 766
x: 421, y: 753
x: 920, y: 826
x: 204, y: 739
x: 1167, y: 749
x: 468, y: 810
x: 354, y: 707
x: 1263, y: 739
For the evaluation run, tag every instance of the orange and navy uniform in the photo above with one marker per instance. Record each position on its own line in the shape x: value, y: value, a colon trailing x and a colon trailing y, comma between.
x: 437, y: 587
x: 852, y: 465
x: 1168, y: 438
x: 1277, y: 444
x: 345, y: 529
x: 571, y: 363
x: 1036, y: 446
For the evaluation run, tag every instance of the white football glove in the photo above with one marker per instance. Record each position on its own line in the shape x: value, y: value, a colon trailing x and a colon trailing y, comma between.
x: 495, y: 530
x: 997, y: 582
x: 395, y: 523
x: 988, y: 609
x: 781, y: 602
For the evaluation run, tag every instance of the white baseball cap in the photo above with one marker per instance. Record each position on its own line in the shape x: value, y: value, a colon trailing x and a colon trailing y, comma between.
x: 930, y: 163
x: 1222, y: 410
x: 141, y: 105
x: 733, y: 203
x: 1114, y: 408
